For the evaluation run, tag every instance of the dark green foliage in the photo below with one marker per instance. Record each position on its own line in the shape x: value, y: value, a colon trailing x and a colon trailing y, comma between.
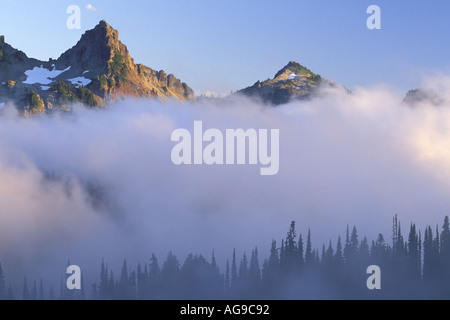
x: 112, y: 82
x: 66, y: 93
x: 119, y: 68
x: 86, y: 96
x: 103, y: 80
x: 35, y: 100
x: 316, y: 78
x: 295, y: 68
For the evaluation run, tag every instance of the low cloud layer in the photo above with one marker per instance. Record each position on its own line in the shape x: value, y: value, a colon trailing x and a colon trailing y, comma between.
x: 101, y: 184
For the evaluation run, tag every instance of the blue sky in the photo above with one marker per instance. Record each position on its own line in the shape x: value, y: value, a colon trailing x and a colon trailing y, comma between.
x: 219, y: 46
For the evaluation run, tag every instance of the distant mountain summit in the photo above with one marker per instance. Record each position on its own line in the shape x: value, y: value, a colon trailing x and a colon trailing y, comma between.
x: 97, y: 69
x: 293, y: 81
x: 423, y: 96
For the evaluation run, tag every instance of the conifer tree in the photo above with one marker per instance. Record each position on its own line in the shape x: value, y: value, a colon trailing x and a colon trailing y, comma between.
x: 282, y: 256
x: 394, y: 234
x: 170, y: 273
x: 25, y: 291
x: 41, y: 290
x: 270, y: 273
x: 364, y: 251
x: 300, y: 251
x: 323, y: 256
x: 214, y: 267
x: 234, y: 274
x: 243, y: 268
x: 94, y: 292
x: 428, y: 259
x: 445, y: 241
x: 351, y: 245
x: 2, y: 284
x: 153, y: 286
x: 420, y: 254
x: 140, y: 282
x: 291, y: 251
x: 309, y: 257
x: 273, y: 259
x: 10, y: 294
x: 354, y: 242
x: 255, y: 271
x: 413, y: 252
x: 243, y: 287
x: 146, y: 286
x: 329, y: 255
x: 123, y: 283
x: 338, y: 257
x: 51, y: 294
x: 132, y: 286
x: 345, y: 252
x: 34, y: 292
x: 445, y: 253
x: 227, y: 278
x: 103, y: 286
x: 111, y: 288
x: 380, y: 249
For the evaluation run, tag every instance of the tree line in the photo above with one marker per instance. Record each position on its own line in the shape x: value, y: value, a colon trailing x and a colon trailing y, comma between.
x: 413, y: 265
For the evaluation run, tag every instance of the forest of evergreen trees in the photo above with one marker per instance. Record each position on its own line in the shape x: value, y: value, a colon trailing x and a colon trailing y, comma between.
x: 413, y: 266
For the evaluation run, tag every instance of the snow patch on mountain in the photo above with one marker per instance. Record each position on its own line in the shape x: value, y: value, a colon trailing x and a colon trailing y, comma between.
x: 80, y: 81
x: 42, y: 75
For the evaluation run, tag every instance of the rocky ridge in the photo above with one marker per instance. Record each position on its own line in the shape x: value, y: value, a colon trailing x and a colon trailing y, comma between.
x: 99, y: 68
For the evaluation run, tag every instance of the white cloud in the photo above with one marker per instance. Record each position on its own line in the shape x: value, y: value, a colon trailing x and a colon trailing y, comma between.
x: 101, y: 183
x: 211, y: 94
x: 91, y: 7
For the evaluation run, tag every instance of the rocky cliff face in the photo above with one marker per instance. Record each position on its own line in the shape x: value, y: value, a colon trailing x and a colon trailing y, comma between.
x: 97, y: 69
x: 291, y: 82
x: 13, y: 65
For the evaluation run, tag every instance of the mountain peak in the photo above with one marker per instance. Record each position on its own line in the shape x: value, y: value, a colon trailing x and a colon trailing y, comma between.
x: 94, y: 50
x: 103, y: 25
x: 97, y: 69
x: 293, y: 64
x: 293, y: 81
x: 294, y: 68
x: 101, y: 32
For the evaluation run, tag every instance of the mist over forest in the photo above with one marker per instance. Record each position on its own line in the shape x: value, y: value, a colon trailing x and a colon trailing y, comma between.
x: 99, y: 184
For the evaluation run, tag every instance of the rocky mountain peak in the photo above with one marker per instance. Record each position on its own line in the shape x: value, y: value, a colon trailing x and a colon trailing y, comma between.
x: 95, y: 50
x: 293, y: 81
x: 293, y: 68
x: 97, y: 69
x: 104, y: 33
